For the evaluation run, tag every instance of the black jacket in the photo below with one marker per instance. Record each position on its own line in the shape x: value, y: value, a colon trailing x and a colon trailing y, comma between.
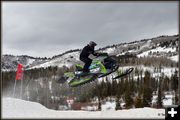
x: 86, y: 51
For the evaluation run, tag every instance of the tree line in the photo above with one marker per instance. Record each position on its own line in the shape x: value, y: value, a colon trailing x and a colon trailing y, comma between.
x: 40, y: 85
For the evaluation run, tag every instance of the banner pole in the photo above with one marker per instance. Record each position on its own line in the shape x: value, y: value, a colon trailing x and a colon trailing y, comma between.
x: 22, y: 84
x: 21, y: 90
x: 14, y: 88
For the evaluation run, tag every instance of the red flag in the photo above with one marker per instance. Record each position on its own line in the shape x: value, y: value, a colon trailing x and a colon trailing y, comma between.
x: 19, y: 73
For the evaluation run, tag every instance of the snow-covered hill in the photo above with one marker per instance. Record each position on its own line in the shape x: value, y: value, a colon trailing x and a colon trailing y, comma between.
x: 16, y: 108
x: 67, y: 60
x: 10, y: 62
x: 166, y: 46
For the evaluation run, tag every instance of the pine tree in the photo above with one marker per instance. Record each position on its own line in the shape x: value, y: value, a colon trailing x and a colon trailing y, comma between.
x: 176, y: 99
x: 147, y: 91
x: 147, y: 95
x: 165, y: 86
x: 160, y: 67
x: 114, y: 87
x: 128, y: 99
x: 118, y: 106
x: 136, y: 71
x: 153, y: 84
x: 159, y: 101
x: 138, y: 102
x: 139, y: 85
x: 120, y: 88
x: 132, y: 85
x: 128, y: 95
x: 103, y: 89
x: 174, y: 79
x: 108, y: 88
x: 99, y: 103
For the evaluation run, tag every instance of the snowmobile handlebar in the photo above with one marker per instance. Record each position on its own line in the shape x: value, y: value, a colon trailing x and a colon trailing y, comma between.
x: 102, y: 54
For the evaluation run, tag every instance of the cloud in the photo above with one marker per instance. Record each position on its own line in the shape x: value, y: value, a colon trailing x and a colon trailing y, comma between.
x: 46, y: 29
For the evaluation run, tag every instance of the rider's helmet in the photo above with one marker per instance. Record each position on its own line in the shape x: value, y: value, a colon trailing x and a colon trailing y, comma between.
x: 92, y: 43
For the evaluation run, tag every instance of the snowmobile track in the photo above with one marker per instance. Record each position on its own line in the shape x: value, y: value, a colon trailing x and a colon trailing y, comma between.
x: 92, y: 79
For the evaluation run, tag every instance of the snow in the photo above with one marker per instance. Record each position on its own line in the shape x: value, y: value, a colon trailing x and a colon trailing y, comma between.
x: 144, y: 54
x: 168, y: 71
x: 90, y: 108
x: 109, y: 50
x: 16, y: 108
x: 175, y: 58
x: 30, y: 61
x: 147, y: 44
x: 158, y: 49
x: 50, y: 85
x: 67, y: 60
x: 167, y: 100
x: 154, y: 99
x: 108, y: 106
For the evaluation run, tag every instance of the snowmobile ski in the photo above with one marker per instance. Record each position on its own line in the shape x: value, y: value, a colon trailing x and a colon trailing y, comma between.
x: 128, y: 71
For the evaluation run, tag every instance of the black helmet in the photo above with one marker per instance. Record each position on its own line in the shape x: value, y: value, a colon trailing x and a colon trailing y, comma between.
x: 92, y: 43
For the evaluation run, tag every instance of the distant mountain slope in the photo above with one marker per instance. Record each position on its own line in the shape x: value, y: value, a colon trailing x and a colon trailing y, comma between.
x: 9, y: 62
x: 166, y: 46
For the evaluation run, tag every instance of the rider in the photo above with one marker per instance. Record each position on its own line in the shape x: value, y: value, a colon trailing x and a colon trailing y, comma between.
x: 84, y: 55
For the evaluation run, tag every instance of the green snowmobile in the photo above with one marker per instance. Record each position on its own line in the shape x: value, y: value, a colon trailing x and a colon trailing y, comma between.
x: 101, y: 66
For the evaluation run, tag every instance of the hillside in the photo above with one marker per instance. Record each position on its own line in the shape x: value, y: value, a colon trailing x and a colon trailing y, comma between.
x: 165, y: 46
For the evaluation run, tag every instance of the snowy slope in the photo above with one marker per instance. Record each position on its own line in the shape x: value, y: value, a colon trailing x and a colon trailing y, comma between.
x: 10, y: 62
x: 16, y: 108
x: 158, y: 49
x: 110, y: 51
x: 147, y: 44
x: 67, y: 60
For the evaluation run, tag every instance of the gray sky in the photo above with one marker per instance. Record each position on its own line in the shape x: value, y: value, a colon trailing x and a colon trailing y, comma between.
x: 45, y: 29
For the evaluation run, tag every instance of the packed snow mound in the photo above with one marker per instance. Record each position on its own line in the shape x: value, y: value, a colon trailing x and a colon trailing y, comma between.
x: 167, y: 100
x: 108, y: 106
x: 16, y: 108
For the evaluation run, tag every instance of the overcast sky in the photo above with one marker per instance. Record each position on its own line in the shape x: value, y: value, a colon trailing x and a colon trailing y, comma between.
x: 45, y: 29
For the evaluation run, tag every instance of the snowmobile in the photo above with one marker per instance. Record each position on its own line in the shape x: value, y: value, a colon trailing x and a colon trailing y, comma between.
x: 101, y: 66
